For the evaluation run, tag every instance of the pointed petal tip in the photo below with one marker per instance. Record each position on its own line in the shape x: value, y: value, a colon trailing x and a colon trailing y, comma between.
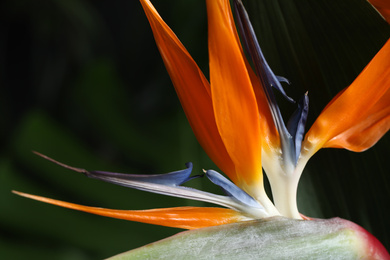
x: 80, y: 170
x: 17, y: 193
x: 192, y: 88
x: 283, y: 79
x: 33, y: 197
x: 189, y: 164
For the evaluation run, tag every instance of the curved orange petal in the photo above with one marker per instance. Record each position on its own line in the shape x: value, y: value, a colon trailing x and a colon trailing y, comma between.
x: 181, y: 217
x: 368, y: 131
x: 359, y: 116
x: 192, y: 89
x: 234, y: 101
x: 383, y: 7
x: 269, y: 133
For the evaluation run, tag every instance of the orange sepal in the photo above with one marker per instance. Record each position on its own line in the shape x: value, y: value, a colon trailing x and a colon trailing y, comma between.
x: 234, y: 101
x: 368, y: 131
x: 192, y: 89
x: 360, y: 115
x: 383, y: 7
x: 181, y: 217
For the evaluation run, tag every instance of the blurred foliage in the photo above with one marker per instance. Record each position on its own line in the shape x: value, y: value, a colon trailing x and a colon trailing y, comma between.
x: 82, y: 81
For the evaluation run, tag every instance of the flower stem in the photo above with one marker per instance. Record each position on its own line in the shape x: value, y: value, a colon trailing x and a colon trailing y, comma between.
x: 284, y: 185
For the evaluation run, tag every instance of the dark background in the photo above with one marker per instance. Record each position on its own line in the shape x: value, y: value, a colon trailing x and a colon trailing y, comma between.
x: 82, y: 81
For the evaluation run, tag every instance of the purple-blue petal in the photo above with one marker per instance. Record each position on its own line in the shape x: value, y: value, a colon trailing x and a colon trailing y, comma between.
x: 267, y: 78
x: 231, y: 189
x: 297, y: 122
x: 175, y: 178
x: 266, y: 75
x: 283, y: 79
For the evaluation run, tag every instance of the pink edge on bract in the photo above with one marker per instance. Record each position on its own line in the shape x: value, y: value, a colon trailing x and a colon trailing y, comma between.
x: 192, y: 89
x: 234, y: 101
x: 372, y: 247
x: 180, y: 217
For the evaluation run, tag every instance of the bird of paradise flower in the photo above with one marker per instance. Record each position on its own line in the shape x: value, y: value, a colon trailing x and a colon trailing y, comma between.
x: 238, y: 123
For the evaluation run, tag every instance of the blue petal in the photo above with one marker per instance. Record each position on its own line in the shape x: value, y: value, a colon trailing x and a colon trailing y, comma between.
x: 267, y: 78
x: 168, y: 184
x: 231, y: 189
x: 297, y: 122
x: 283, y: 79
x: 175, y: 178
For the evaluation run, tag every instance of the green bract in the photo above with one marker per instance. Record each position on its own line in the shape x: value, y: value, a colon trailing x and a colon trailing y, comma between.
x: 271, y: 238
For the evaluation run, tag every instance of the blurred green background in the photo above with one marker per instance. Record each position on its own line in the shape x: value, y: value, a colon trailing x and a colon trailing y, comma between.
x: 82, y: 81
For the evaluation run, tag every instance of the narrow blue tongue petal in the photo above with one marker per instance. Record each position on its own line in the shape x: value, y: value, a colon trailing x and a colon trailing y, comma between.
x: 283, y: 79
x: 231, y: 189
x: 252, y: 46
x: 297, y: 122
x: 268, y: 79
x: 175, y: 178
x: 169, y: 184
